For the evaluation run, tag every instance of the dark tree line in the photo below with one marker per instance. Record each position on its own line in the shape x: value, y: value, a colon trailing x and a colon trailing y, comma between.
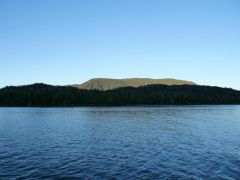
x: 46, y: 95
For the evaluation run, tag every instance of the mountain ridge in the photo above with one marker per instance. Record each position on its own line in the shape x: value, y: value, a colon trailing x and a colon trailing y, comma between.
x: 104, y: 84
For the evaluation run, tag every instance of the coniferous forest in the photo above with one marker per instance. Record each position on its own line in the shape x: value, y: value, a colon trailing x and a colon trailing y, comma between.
x: 47, y: 95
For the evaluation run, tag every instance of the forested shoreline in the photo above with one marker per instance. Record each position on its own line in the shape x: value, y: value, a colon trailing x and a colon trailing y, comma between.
x: 43, y: 95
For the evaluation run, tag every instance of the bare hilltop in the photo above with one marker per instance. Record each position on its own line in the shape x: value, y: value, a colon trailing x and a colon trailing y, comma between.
x: 104, y: 84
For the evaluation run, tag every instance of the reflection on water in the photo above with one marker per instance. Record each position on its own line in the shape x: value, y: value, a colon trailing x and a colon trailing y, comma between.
x: 121, y: 142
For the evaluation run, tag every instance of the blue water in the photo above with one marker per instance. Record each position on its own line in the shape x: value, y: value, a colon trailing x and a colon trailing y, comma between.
x: 165, y: 142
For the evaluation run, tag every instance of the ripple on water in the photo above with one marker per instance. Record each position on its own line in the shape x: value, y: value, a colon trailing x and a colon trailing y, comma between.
x: 165, y: 142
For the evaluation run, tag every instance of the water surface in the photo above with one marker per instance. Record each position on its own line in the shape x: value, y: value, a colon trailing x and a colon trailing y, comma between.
x: 164, y: 142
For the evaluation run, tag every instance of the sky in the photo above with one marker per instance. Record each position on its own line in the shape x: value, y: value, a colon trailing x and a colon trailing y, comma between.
x: 63, y: 42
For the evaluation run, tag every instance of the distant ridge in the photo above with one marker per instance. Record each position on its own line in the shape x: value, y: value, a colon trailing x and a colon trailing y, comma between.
x: 104, y: 84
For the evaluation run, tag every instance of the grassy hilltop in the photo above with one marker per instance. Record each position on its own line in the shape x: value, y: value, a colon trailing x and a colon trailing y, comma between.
x: 104, y: 84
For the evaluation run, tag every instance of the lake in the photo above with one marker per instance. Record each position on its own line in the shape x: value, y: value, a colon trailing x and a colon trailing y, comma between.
x: 152, y: 142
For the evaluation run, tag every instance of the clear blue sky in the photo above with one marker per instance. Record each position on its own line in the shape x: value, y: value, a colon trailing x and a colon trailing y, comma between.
x: 70, y: 41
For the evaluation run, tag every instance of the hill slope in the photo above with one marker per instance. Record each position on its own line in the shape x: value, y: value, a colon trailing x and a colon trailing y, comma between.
x: 104, y: 84
x: 46, y: 95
